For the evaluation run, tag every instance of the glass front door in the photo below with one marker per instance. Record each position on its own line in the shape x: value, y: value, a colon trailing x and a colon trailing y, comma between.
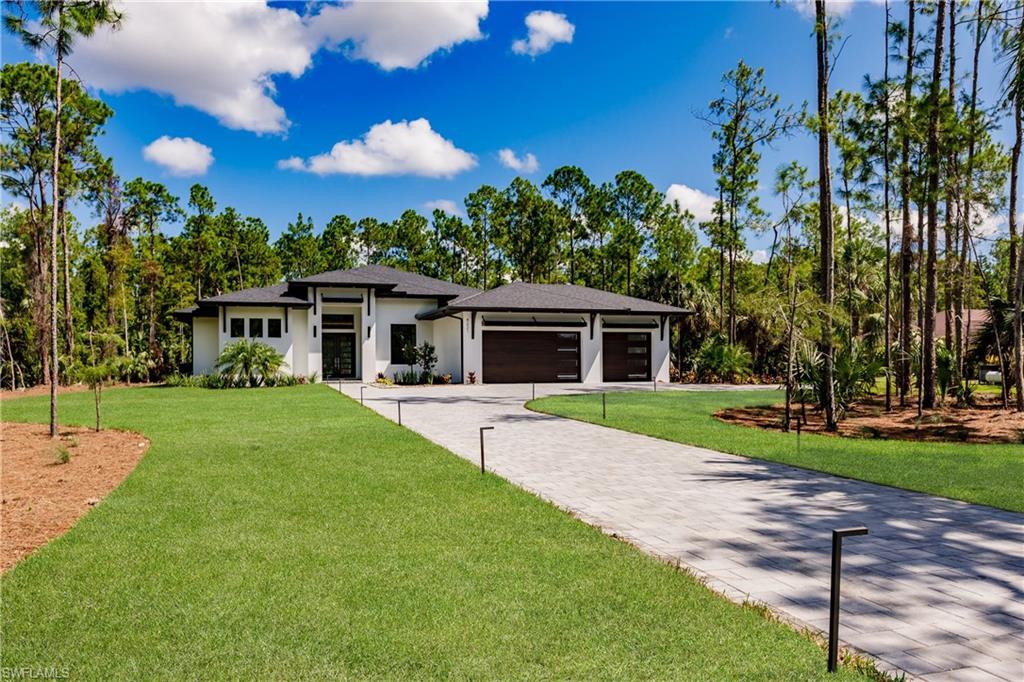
x: 339, y: 356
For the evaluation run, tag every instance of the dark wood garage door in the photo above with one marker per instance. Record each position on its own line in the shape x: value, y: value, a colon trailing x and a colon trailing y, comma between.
x: 627, y: 356
x: 524, y: 357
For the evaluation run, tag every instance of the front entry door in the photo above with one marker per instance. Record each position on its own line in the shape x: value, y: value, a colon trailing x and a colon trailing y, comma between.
x: 339, y: 356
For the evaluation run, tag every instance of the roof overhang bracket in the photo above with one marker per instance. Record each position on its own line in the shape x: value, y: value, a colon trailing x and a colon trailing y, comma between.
x: 472, y: 325
x: 664, y: 320
x: 369, y: 295
x: 593, y: 321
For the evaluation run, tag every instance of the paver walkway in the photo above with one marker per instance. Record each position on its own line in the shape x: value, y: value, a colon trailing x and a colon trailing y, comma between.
x: 935, y: 591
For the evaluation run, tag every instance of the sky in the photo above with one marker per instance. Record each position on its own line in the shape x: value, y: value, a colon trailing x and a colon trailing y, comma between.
x: 371, y: 109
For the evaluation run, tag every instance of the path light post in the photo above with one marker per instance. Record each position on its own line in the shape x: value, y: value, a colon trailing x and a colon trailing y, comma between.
x: 361, y: 389
x: 534, y: 389
x: 399, y: 412
x: 799, y: 421
x: 604, y: 405
x: 482, y: 429
x: 655, y: 385
x: 833, y: 605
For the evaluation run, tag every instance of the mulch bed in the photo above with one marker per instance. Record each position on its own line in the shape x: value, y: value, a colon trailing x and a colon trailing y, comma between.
x: 44, y: 389
x: 987, y: 422
x: 42, y: 498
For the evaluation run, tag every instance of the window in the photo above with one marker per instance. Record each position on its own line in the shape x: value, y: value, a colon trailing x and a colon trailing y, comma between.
x: 237, y: 327
x: 339, y: 322
x: 403, y: 338
x: 255, y: 327
x: 274, y: 328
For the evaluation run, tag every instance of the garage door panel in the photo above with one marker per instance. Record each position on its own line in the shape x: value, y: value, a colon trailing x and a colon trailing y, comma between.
x: 626, y: 356
x: 528, y: 356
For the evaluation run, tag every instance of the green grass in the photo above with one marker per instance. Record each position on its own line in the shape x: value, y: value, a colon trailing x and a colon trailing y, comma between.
x: 984, y: 474
x: 290, y: 533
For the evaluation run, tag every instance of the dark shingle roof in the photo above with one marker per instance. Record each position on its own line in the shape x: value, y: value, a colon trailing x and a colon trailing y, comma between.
x: 276, y: 294
x: 521, y: 296
x: 394, y: 280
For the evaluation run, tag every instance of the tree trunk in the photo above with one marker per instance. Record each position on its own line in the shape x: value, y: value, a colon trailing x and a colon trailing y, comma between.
x: 952, y: 187
x: 96, y: 396
x: 907, y: 236
x: 962, y: 334
x: 888, y: 226
x: 69, y: 321
x: 825, y: 217
x: 54, y: 364
x: 721, y: 260
x: 1018, y: 293
x: 931, y: 276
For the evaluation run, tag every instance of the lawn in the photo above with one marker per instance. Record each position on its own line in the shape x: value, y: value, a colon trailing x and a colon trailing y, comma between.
x: 290, y: 533
x: 985, y: 474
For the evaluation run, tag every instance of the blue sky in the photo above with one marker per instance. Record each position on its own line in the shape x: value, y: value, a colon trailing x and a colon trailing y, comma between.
x: 265, y: 85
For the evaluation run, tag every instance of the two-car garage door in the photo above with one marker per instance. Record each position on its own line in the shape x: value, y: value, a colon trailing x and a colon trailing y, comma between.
x: 531, y: 356
x: 548, y: 357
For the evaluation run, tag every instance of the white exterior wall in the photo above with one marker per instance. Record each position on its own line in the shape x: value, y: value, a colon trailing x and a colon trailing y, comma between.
x: 448, y: 341
x: 204, y: 344
x: 282, y: 345
x: 442, y: 336
x: 297, y: 327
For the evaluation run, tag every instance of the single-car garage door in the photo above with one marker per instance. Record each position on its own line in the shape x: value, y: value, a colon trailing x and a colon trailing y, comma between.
x: 524, y: 357
x: 627, y: 356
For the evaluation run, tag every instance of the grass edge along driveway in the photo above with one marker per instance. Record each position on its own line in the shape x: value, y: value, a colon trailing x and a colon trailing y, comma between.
x: 289, y: 532
x: 983, y: 474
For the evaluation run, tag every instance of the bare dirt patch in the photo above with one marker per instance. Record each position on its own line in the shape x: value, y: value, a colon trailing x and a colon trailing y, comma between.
x: 44, y: 389
x: 987, y: 422
x: 42, y: 497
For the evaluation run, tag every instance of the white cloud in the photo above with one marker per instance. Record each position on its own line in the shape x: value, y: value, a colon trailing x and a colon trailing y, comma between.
x: 545, y: 30
x: 727, y: 33
x: 526, y: 164
x: 222, y: 57
x: 759, y: 257
x: 701, y: 205
x: 215, y: 56
x: 396, y: 35
x: 403, y: 148
x: 292, y: 163
x: 181, y: 156
x: 446, y: 205
x: 835, y: 8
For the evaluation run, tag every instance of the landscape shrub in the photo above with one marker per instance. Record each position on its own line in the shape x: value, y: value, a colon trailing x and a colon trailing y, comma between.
x: 250, y: 362
x: 718, y: 360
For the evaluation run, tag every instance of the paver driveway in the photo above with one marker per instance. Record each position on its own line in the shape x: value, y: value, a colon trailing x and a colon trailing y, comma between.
x: 935, y: 591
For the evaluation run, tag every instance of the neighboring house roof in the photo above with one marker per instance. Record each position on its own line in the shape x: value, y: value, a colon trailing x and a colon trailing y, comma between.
x: 276, y: 294
x: 978, y: 317
x: 525, y: 297
x: 393, y: 280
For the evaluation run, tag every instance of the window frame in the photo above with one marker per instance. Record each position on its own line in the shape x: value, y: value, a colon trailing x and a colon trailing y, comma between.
x: 256, y: 322
x: 231, y: 327
x: 398, y: 356
x: 271, y: 321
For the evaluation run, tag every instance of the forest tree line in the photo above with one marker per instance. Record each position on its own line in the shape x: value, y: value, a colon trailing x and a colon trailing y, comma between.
x: 885, y: 233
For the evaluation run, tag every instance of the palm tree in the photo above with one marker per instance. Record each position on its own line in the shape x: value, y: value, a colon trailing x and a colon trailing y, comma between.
x: 249, y: 361
x: 59, y: 23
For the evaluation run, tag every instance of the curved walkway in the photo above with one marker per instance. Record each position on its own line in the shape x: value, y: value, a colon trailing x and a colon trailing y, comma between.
x: 935, y: 591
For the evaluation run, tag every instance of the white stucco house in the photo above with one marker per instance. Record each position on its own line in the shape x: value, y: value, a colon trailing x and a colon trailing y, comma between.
x: 355, y: 324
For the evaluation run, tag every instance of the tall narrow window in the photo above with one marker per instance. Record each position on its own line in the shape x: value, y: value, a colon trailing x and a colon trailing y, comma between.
x: 256, y: 327
x: 237, y: 327
x: 403, y: 338
x: 274, y: 328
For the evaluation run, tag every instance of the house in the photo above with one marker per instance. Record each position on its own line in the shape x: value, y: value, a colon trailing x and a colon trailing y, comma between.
x: 358, y: 323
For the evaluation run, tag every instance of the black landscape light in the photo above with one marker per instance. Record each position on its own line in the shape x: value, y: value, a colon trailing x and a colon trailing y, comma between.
x: 482, y: 429
x: 833, y: 605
